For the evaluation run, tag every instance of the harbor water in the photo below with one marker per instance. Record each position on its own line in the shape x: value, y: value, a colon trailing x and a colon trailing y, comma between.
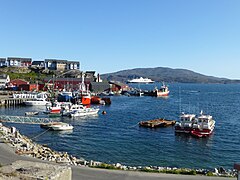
x: 116, y: 137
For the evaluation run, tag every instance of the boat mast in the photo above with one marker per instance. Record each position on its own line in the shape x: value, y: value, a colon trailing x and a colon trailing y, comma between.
x: 180, y: 99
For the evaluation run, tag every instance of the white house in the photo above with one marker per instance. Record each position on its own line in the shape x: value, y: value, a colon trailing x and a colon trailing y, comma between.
x: 4, y: 80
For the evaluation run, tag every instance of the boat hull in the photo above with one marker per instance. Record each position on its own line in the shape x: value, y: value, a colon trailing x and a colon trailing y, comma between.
x: 201, y: 133
x: 36, y: 103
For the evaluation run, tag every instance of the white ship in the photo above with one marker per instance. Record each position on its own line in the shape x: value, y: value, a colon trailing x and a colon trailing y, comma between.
x: 141, y: 80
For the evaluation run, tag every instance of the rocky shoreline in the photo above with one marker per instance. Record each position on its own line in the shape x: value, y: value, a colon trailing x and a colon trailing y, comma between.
x: 26, y: 147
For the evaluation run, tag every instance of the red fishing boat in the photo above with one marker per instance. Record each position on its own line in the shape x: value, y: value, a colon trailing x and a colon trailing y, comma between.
x: 200, y: 126
x: 203, y: 126
x: 162, y: 92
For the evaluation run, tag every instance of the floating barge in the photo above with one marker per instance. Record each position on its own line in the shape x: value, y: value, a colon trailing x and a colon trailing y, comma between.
x: 157, y: 123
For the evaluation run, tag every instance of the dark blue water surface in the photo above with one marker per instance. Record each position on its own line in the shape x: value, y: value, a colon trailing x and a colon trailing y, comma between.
x: 116, y: 137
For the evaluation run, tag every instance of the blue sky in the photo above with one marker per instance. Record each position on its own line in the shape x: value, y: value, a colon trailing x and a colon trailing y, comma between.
x: 113, y: 35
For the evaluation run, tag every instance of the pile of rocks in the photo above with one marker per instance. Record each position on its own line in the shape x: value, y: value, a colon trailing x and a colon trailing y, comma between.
x: 25, y: 146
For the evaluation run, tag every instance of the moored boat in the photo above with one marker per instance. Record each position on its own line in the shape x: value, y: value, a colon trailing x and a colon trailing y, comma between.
x: 203, y: 126
x: 162, y: 92
x: 37, y: 102
x: 54, y: 109
x: 31, y: 113
x: 62, y: 127
x: 68, y: 110
x: 184, y: 125
x: 84, y: 111
x: 198, y: 126
x: 57, y: 126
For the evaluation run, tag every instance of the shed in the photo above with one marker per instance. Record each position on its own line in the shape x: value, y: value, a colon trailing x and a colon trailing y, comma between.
x: 99, y: 87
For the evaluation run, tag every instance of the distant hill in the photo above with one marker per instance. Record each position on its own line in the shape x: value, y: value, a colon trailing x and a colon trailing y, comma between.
x: 169, y: 75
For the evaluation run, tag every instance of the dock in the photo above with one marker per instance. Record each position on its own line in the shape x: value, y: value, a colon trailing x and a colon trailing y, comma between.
x: 157, y: 123
x: 9, y: 101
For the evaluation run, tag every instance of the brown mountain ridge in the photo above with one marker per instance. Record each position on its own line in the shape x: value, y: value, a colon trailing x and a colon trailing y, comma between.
x: 165, y: 74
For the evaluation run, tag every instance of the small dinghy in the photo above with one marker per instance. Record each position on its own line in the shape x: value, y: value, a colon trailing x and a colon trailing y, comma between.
x: 32, y: 113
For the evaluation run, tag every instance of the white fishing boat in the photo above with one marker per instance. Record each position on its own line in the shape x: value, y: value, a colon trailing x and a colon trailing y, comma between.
x: 37, y: 102
x: 67, y: 110
x: 62, y: 127
x: 184, y: 125
x: 57, y: 126
x: 84, y: 111
x: 141, y: 80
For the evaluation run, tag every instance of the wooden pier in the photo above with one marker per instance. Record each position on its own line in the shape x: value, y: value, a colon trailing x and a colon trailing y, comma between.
x: 9, y: 101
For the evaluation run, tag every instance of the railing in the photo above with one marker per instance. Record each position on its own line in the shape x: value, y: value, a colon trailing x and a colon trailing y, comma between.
x: 23, y: 119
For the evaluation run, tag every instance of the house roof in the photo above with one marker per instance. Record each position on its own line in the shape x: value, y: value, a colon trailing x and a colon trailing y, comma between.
x: 20, y: 59
x: 4, y: 76
x: 37, y: 62
x: 56, y: 60
x: 74, y: 62
x: 18, y: 80
x: 118, y: 83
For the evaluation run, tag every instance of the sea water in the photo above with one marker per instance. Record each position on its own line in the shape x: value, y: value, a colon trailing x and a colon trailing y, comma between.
x: 116, y: 137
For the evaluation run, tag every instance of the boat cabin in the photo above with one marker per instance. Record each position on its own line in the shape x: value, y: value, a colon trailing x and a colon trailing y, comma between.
x: 187, y: 117
x: 204, y: 122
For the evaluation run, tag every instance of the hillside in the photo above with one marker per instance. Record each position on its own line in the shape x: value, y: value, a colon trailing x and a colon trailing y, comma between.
x: 165, y: 74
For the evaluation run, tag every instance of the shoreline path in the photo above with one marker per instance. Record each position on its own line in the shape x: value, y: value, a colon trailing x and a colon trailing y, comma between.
x: 8, y: 156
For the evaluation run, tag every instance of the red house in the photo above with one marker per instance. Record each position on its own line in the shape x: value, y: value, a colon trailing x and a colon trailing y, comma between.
x: 66, y: 83
x: 17, y: 82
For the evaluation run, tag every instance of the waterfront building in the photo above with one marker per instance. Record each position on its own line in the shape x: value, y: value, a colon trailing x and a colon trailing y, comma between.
x: 18, y: 62
x: 4, y: 80
x: 73, y: 83
x: 65, y: 83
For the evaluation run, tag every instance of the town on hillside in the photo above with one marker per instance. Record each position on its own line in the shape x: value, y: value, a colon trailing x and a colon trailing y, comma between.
x: 55, y: 74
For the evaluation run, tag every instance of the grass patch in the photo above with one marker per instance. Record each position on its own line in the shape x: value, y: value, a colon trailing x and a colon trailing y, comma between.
x: 210, y: 174
x: 106, y: 166
x: 172, y: 171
